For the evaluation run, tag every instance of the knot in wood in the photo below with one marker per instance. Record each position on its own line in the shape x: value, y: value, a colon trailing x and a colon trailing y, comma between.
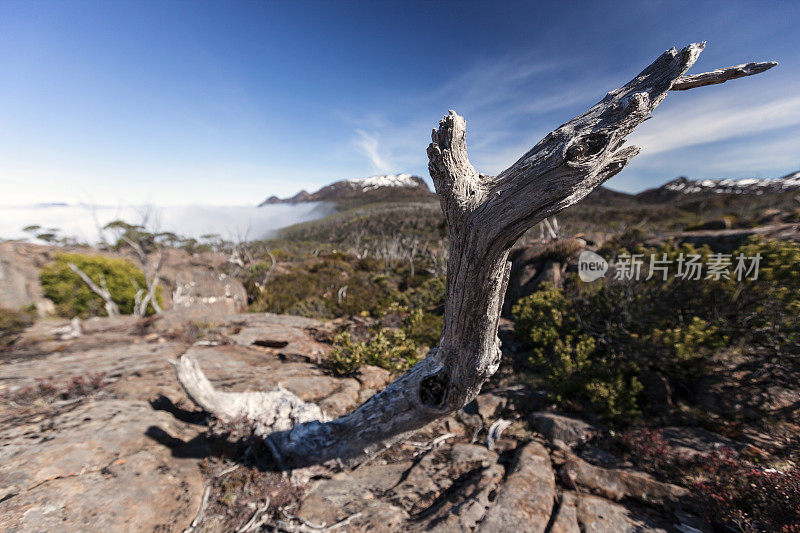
x: 586, y: 147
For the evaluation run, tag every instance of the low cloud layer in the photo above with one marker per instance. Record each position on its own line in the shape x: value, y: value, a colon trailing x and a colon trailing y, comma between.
x: 229, y: 222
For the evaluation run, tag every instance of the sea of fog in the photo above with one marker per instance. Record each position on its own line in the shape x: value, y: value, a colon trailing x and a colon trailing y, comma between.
x: 229, y: 222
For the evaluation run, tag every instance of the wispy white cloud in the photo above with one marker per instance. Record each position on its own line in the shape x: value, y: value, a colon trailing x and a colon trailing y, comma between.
x: 730, y: 132
x: 368, y: 143
x: 503, y: 100
x: 488, y: 82
x: 763, y: 155
x: 510, y: 103
x: 708, y: 121
x: 773, y: 152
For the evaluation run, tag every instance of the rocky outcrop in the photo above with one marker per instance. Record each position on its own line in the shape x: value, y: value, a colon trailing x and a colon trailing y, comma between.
x: 437, y: 472
x: 200, y: 281
x: 334, y: 500
x: 93, y: 467
x: 565, y: 519
x: 464, y: 509
x: 19, y: 276
x: 130, y: 453
x: 616, y: 484
x: 692, y: 442
x: 727, y: 240
x: 105, y: 461
x: 287, y: 334
x: 526, y: 499
x: 195, y: 287
x: 198, y: 289
x: 539, y: 263
x: 596, y: 515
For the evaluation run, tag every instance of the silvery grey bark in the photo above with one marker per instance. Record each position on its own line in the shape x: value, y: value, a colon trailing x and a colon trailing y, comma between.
x: 485, y: 215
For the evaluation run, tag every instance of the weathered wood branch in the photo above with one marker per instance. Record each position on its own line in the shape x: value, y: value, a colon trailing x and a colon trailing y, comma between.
x: 721, y: 75
x: 112, y: 309
x: 151, y: 267
x: 152, y: 270
x: 485, y: 216
x: 270, y: 411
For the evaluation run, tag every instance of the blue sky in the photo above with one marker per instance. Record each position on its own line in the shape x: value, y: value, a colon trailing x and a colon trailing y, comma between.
x: 228, y: 103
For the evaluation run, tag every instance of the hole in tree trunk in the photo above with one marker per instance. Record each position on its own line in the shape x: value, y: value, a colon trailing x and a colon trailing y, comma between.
x: 433, y: 390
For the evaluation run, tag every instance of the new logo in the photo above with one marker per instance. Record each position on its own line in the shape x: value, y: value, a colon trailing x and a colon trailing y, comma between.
x: 591, y: 266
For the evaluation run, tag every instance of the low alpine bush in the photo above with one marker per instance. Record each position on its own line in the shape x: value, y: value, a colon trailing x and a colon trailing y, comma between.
x: 73, y: 297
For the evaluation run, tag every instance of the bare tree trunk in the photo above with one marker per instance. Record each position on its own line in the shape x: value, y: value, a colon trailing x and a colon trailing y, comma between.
x: 485, y: 216
x: 112, y: 309
x: 150, y: 296
x: 151, y: 267
x: 552, y: 229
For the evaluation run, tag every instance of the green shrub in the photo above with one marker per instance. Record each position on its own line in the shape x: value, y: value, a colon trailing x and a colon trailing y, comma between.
x: 371, y: 222
x: 769, y: 307
x: 540, y: 319
x: 427, y: 294
x: 336, y: 285
x: 74, y: 298
x: 592, y: 341
x: 686, y: 347
x: 423, y: 328
x: 575, y: 370
x: 388, y: 349
x: 369, y: 264
x: 12, y: 323
x: 324, y: 287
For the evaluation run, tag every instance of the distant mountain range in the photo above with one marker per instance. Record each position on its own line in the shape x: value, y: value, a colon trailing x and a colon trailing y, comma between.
x: 405, y: 187
x: 684, y: 190
x: 682, y: 187
x: 391, y: 187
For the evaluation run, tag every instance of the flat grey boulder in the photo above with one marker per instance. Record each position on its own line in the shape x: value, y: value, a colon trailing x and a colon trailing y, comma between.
x: 566, y: 517
x: 617, y: 484
x: 93, y: 467
x: 694, y: 441
x: 567, y: 429
x: 334, y: 500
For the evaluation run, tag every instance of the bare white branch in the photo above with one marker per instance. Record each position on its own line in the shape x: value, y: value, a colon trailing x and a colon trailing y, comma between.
x: 112, y: 309
x: 721, y: 75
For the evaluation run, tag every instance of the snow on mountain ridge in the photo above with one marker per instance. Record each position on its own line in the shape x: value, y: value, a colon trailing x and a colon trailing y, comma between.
x: 388, y: 180
x: 374, y: 188
x: 735, y: 186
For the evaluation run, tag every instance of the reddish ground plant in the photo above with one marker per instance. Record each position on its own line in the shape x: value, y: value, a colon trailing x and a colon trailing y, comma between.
x: 736, y: 493
x: 47, y: 389
x: 732, y: 492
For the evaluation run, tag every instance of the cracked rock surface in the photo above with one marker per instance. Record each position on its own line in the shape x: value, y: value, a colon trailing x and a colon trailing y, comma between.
x: 133, y: 454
